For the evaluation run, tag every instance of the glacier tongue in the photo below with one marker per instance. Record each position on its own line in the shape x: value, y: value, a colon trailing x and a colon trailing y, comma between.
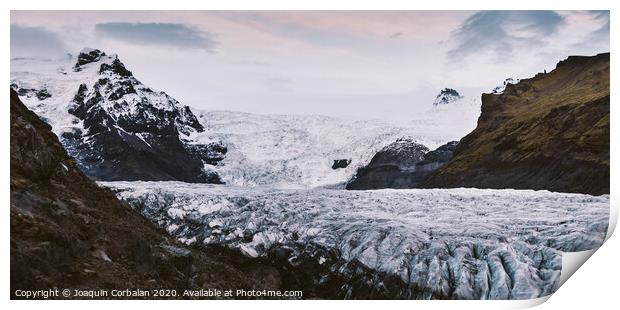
x: 431, y: 243
x: 298, y: 151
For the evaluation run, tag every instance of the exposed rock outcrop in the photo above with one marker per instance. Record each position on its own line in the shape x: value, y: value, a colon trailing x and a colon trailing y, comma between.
x: 447, y: 96
x: 341, y: 163
x: 547, y: 132
x: 402, y: 164
x: 391, y: 167
x: 435, y: 159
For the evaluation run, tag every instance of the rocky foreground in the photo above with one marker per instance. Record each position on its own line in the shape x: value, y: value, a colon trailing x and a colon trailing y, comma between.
x: 67, y: 232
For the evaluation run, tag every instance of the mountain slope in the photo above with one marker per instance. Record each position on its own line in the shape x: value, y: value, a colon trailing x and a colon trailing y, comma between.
x: 67, y: 232
x: 115, y: 126
x: 547, y: 132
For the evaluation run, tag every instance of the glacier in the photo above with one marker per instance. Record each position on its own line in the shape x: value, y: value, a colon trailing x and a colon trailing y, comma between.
x: 298, y: 151
x: 414, y: 243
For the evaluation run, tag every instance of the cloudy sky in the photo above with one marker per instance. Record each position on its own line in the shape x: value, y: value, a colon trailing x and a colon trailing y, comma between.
x: 360, y: 64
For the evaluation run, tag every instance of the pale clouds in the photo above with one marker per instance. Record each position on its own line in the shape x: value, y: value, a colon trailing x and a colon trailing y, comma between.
x: 367, y: 64
x: 501, y: 32
x: 169, y: 34
x: 29, y: 41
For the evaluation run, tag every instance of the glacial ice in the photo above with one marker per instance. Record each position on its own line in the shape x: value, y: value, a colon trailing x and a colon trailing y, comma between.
x: 298, y: 151
x: 434, y: 243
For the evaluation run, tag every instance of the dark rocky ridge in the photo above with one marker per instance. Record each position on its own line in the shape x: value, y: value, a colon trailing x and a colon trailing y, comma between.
x: 87, y: 56
x: 40, y: 94
x: 402, y: 164
x: 125, y: 140
x: 435, y: 159
x: 447, y: 96
x: 341, y: 163
x: 67, y: 232
x: 547, y: 132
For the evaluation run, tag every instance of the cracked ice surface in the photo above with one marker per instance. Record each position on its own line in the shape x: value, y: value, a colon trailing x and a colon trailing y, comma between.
x: 440, y: 243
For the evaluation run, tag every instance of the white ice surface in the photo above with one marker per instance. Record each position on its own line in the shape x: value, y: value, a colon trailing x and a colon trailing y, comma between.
x: 442, y: 243
x: 297, y: 151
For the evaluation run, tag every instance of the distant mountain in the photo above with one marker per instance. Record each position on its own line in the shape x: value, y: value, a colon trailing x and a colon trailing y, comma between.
x: 117, y: 127
x: 447, y: 96
x: 547, y: 132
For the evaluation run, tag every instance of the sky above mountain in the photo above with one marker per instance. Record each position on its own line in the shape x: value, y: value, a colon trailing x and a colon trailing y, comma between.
x: 360, y: 64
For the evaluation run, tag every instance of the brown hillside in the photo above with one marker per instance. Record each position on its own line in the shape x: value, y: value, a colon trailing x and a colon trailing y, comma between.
x: 548, y: 132
x: 66, y: 232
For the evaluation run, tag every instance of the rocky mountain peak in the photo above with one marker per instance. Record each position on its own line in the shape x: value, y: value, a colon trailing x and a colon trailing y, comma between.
x: 447, y: 96
x: 117, y: 127
x: 116, y: 67
x: 131, y: 105
x: 88, y: 55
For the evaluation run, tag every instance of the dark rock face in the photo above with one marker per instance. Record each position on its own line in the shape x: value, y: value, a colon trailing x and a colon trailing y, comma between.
x: 40, y: 94
x: 391, y: 167
x: 116, y: 67
x: 548, y: 132
x: 87, y: 56
x: 435, y: 159
x: 341, y: 163
x: 210, y: 153
x: 132, y: 133
x: 446, y: 96
x: 402, y: 164
x: 67, y: 232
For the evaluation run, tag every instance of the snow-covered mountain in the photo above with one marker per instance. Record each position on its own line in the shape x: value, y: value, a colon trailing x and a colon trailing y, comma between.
x: 115, y: 126
x: 419, y: 244
x: 447, y: 96
x: 121, y: 129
